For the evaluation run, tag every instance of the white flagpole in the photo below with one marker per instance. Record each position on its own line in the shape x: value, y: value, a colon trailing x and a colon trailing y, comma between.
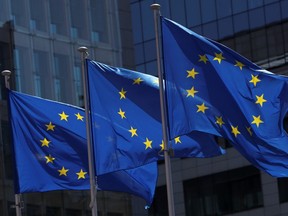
x: 93, y: 190
x: 6, y: 74
x: 169, y: 186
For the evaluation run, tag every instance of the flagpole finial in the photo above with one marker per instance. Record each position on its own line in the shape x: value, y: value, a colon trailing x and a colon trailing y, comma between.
x: 155, y: 7
x: 83, y: 50
x: 6, y: 74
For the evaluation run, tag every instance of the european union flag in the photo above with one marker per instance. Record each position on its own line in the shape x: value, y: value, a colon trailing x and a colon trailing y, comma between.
x: 212, y: 89
x: 126, y: 121
x: 50, y: 146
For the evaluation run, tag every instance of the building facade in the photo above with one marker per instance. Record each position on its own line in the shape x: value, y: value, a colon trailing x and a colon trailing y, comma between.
x: 39, y: 41
x: 228, y: 184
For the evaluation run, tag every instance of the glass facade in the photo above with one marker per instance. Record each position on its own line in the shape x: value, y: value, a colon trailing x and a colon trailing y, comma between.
x: 223, y: 193
x: 283, y: 189
x: 260, y: 22
x: 258, y: 30
x: 160, y: 205
x: 38, y: 44
x: 49, y: 33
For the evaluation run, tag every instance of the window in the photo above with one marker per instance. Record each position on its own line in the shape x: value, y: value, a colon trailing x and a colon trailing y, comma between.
x: 78, y: 86
x: 8, y: 155
x: 239, y: 6
x: 99, y: 23
x: 73, y: 212
x: 21, y: 66
x: 78, y: 19
x: 284, y: 5
x: 255, y: 4
x: 210, y: 30
x: 38, y: 15
x: 272, y: 17
x: 256, y: 18
x: 243, y: 45
x: 208, y: 10
x: 150, y: 51
x: 177, y: 8
x: 136, y: 23
x: 147, y: 20
x: 223, y: 193
x: 139, y: 50
x: 61, y: 63
x: 259, y: 45
x: 193, y: 12
x: 224, y: 8
x: 58, y: 17
x: 275, y: 41
x: 40, y: 59
x: 3, y: 11
x: 240, y: 22
x: 225, y: 27
x: 159, y: 206
x: 283, y: 189
x: 4, y: 64
x: 19, y: 13
x: 55, y: 211
x: 33, y: 210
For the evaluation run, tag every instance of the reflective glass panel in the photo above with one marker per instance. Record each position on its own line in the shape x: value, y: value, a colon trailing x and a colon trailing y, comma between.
x: 58, y: 17
x: 38, y: 19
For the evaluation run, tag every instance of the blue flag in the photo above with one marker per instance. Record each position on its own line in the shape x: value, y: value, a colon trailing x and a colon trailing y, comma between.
x: 50, y: 147
x: 126, y: 121
x: 212, y: 89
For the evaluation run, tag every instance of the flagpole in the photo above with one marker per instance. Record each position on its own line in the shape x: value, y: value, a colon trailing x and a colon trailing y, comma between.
x: 93, y: 190
x: 6, y: 74
x: 169, y: 186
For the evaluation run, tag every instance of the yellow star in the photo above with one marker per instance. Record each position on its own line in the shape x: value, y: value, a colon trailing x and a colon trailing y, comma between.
x: 203, y: 58
x: 63, y: 116
x: 133, y: 132
x: 192, y: 73
x: 81, y: 174
x: 257, y: 120
x: 122, y: 94
x: 239, y: 64
x: 218, y: 57
x: 63, y: 171
x: 254, y: 79
x: 202, y: 108
x: 260, y: 100
x: 50, y: 126
x: 121, y: 113
x: 162, y: 145
x: 249, y: 130
x: 156, y: 81
x: 191, y: 92
x: 137, y: 81
x: 177, y: 140
x: 79, y: 117
x: 219, y: 121
x: 45, y: 142
x: 148, y: 143
x: 49, y: 159
x: 235, y: 130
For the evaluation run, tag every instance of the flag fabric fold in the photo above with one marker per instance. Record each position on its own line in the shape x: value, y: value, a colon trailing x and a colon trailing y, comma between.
x: 126, y: 121
x: 50, y: 148
x: 211, y: 88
